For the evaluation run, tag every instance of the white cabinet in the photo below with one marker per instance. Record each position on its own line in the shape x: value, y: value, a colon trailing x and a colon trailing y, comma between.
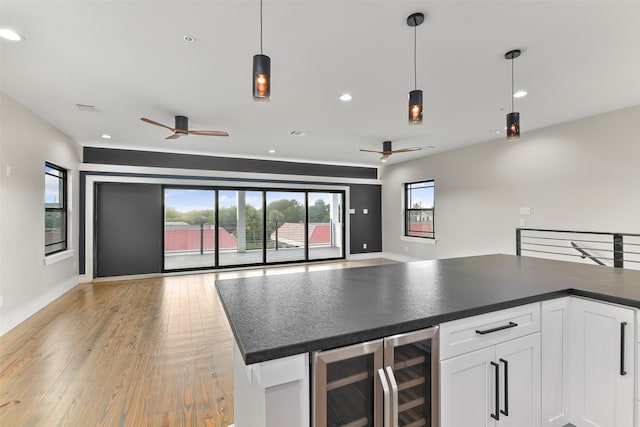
x: 555, y: 362
x: 498, y: 385
x: 602, y: 364
x: 588, y: 363
x: 519, y: 360
x: 467, y: 389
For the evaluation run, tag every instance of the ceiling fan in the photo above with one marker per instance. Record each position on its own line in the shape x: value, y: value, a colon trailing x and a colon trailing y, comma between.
x: 387, y: 151
x: 182, y: 128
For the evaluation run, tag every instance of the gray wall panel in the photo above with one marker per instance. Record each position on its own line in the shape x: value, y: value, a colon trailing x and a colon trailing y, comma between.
x: 128, y: 229
x: 366, y: 228
x: 110, y: 156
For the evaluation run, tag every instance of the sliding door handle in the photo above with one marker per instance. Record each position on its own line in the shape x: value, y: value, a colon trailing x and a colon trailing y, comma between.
x: 385, y: 393
x: 499, y: 328
x: 496, y: 416
x: 623, y: 325
x: 394, y: 397
x: 506, y: 388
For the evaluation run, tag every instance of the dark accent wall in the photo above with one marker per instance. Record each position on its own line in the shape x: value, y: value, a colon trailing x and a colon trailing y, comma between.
x: 128, y: 229
x: 108, y: 156
x: 366, y: 228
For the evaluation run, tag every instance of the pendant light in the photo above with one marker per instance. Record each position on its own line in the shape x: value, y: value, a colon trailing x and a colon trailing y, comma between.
x: 261, y: 72
x: 513, y: 118
x: 415, y: 96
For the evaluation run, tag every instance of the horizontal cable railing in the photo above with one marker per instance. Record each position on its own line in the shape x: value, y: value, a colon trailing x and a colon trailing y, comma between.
x: 620, y: 250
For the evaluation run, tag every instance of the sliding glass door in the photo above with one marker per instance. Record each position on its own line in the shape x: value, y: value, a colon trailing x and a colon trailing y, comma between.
x: 325, y: 225
x: 286, y: 226
x: 189, y: 228
x: 240, y: 227
x: 212, y: 227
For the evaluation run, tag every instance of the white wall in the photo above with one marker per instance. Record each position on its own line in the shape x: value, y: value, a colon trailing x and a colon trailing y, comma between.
x: 581, y: 175
x: 26, y: 142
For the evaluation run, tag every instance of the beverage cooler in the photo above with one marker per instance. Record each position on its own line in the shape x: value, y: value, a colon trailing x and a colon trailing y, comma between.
x: 391, y: 382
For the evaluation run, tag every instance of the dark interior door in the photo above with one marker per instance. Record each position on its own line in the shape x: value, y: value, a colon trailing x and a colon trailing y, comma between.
x: 128, y: 229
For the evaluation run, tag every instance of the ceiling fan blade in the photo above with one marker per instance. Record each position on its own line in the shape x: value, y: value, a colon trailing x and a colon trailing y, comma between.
x: 208, y: 132
x: 371, y: 151
x: 174, y: 136
x: 156, y: 123
x: 404, y: 150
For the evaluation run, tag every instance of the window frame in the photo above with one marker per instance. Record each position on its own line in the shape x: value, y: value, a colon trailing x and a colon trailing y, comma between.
x: 407, y: 210
x: 63, y: 209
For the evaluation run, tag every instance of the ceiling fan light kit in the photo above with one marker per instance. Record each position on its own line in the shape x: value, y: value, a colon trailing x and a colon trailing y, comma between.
x: 513, y: 118
x: 261, y: 72
x: 415, y: 96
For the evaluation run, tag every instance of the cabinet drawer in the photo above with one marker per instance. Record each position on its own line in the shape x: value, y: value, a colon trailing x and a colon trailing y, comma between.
x: 472, y: 333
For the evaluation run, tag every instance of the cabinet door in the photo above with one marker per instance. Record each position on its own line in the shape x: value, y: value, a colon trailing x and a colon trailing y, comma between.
x: 347, y: 390
x: 555, y: 362
x: 602, y: 368
x: 411, y: 361
x: 467, y: 390
x: 519, y: 362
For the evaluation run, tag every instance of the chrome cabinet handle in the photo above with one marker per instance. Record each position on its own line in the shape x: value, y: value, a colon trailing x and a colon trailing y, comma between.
x: 385, y: 394
x: 394, y: 397
x: 496, y: 416
x: 623, y: 371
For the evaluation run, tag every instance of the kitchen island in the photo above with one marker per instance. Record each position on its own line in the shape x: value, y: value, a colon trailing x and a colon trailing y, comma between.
x: 284, y: 317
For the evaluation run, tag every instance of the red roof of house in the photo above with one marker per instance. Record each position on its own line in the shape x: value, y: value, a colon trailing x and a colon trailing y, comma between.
x: 185, y: 240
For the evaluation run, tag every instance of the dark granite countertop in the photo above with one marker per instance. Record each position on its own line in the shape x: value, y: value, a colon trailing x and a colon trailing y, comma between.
x: 282, y: 315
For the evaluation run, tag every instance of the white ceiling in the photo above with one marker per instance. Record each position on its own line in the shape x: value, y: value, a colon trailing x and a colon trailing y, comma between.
x: 129, y: 59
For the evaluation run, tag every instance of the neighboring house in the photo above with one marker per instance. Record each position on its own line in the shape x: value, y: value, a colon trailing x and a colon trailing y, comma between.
x: 180, y: 236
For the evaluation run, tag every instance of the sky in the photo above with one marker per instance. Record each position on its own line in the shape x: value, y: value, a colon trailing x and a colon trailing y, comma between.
x: 185, y: 200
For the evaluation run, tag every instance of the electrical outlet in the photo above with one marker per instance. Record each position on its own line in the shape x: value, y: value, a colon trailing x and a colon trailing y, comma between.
x: 406, y: 248
x: 8, y: 170
x: 364, y: 246
x: 523, y: 222
x: 365, y: 211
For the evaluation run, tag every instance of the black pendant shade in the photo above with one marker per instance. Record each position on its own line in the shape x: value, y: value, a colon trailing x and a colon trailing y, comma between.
x: 513, y: 125
x: 261, y: 72
x: 513, y: 118
x: 261, y: 77
x: 415, y: 96
x: 415, y: 107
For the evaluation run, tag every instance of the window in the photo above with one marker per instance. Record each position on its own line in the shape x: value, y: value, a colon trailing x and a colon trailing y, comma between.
x: 419, y: 209
x: 55, y: 209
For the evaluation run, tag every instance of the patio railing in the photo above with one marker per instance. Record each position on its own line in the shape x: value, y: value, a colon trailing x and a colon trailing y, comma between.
x: 619, y: 250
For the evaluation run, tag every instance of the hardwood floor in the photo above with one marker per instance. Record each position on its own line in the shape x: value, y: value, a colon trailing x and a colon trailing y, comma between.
x: 141, y: 352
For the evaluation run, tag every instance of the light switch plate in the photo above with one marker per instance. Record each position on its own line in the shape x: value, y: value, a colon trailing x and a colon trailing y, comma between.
x: 525, y: 211
x: 352, y: 211
x: 365, y: 211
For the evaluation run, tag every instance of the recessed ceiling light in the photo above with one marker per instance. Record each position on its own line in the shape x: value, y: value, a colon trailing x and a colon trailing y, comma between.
x: 297, y: 133
x: 8, y: 34
x: 520, y: 94
x: 384, y: 160
x: 189, y: 39
x: 497, y: 131
x: 346, y: 97
x: 106, y: 136
x: 272, y: 151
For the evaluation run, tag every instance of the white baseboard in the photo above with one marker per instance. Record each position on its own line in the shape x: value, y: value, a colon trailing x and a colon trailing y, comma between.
x: 15, y: 317
x: 398, y: 257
